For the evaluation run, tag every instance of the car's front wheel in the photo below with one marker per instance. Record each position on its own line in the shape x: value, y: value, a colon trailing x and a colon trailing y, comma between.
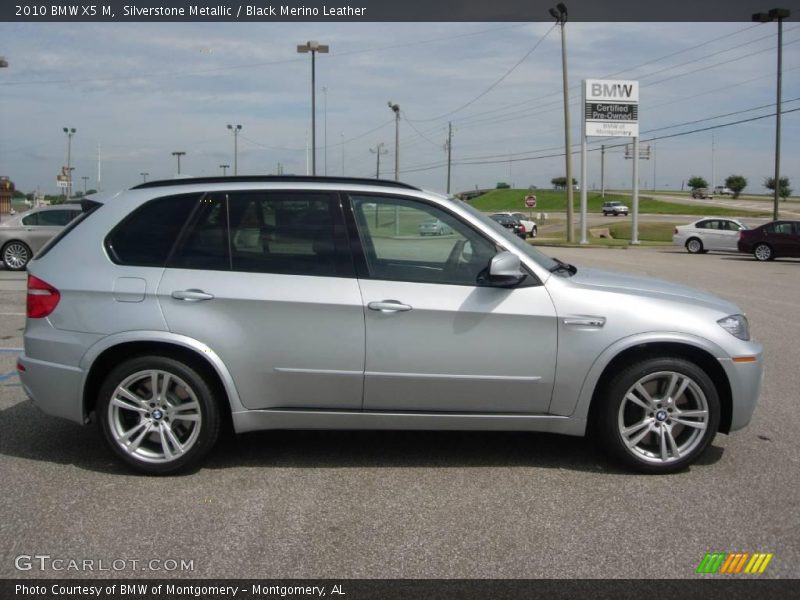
x: 158, y: 415
x: 16, y: 255
x: 763, y: 252
x: 658, y: 415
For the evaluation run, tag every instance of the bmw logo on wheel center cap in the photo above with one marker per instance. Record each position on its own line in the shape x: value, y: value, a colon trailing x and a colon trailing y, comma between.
x: 661, y: 415
x: 157, y: 414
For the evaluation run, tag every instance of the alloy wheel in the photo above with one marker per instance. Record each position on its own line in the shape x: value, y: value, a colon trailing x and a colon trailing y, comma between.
x: 154, y: 416
x: 762, y: 252
x: 16, y: 255
x: 663, y: 417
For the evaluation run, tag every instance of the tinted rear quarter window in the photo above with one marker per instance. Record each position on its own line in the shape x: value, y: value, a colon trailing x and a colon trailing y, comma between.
x: 147, y: 235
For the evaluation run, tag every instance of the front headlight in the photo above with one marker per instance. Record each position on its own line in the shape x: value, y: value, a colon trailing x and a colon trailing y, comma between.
x: 737, y: 326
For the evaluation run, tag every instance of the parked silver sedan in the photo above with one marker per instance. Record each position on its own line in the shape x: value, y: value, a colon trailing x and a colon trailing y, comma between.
x: 709, y: 234
x: 23, y: 235
x: 323, y: 318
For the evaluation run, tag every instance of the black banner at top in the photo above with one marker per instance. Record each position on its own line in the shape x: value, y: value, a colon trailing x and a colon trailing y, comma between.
x: 378, y: 10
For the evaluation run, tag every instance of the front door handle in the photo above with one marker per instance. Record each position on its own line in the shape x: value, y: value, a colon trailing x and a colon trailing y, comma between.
x: 191, y: 295
x: 387, y: 306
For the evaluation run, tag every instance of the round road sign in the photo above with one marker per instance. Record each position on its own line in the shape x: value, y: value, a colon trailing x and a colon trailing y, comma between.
x: 530, y: 201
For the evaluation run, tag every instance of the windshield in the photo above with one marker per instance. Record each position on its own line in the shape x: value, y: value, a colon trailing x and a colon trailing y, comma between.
x: 511, y: 239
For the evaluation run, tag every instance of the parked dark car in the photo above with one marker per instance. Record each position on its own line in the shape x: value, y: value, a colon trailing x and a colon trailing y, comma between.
x: 510, y: 223
x: 772, y: 240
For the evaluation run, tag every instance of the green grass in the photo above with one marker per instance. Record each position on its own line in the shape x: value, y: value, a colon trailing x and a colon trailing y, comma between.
x: 648, y: 232
x: 551, y: 201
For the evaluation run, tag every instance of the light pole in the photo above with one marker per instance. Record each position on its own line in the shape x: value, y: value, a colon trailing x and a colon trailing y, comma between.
x: 313, y: 47
x: 224, y: 169
x: 559, y: 13
x: 85, y: 179
x: 70, y: 131
x: 378, y: 150
x: 144, y: 175
x: 235, y: 129
x: 396, y: 110
x: 325, y: 126
x: 178, y: 156
x: 778, y: 14
x: 342, y: 135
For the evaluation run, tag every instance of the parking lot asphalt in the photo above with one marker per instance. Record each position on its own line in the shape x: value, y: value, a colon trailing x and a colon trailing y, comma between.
x: 421, y: 504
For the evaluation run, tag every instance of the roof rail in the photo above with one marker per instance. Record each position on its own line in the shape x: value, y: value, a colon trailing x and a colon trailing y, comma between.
x: 273, y: 179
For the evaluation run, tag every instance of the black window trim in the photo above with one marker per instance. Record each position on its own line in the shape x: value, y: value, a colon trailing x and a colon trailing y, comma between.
x: 359, y: 253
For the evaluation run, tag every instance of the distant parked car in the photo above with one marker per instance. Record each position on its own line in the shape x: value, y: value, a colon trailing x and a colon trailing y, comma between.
x: 709, y: 234
x: 772, y: 240
x: 531, y: 229
x: 434, y: 227
x: 24, y: 234
x: 723, y: 190
x: 702, y: 193
x: 614, y: 208
x: 510, y: 223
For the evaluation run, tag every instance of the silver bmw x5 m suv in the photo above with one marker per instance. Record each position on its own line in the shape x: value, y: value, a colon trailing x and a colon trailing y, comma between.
x: 315, y: 303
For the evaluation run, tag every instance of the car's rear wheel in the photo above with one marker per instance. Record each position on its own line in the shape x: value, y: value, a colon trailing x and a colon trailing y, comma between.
x: 158, y: 415
x: 534, y: 231
x: 763, y: 252
x: 658, y: 415
x: 694, y: 246
x: 16, y: 255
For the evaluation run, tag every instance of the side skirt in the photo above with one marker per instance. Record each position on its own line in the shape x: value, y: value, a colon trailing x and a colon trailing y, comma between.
x: 256, y: 420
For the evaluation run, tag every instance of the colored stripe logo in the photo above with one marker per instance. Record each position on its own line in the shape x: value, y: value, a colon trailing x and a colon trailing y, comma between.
x: 735, y: 562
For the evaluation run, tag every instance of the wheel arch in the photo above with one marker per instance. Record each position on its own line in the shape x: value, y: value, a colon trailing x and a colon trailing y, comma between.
x: 702, y: 357
x: 104, y: 356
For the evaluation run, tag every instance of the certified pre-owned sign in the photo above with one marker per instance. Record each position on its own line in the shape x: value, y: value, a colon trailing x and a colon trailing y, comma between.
x: 611, y: 107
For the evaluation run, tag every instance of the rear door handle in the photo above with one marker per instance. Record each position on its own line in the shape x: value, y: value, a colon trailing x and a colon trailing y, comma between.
x: 387, y: 306
x: 192, y: 295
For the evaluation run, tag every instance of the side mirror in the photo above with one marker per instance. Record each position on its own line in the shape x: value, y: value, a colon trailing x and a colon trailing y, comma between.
x: 505, y: 270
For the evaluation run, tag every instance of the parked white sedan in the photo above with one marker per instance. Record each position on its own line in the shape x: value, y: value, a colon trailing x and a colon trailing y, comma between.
x: 709, y: 234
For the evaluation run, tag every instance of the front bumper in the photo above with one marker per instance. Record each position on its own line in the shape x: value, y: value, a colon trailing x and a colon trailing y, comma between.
x: 745, y: 379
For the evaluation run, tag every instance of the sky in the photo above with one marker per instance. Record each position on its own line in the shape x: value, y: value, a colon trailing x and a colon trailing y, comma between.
x: 144, y: 90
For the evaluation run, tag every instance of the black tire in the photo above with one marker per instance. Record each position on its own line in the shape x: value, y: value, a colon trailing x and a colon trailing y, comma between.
x: 534, y: 231
x: 205, y: 417
x: 609, y: 417
x: 763, y: 252
x: 694, y: 245
x: 16, y: 255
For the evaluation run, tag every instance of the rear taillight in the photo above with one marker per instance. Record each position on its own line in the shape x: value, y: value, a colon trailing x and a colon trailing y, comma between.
x: 42, y: 298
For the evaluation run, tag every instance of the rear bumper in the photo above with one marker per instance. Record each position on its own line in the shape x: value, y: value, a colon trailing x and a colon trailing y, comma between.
x: 54, y: 388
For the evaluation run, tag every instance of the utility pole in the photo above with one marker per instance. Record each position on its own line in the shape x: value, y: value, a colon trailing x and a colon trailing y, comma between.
x: 144, y: 176
x: 396, y: 110
x: 99, y: 188
x: 377, y: 151
x: 85, y: 179
x: 449, y: 147
x: 560, y: 14
x: 780, y: 14
x: 224, y: 169
x: 342, y: 135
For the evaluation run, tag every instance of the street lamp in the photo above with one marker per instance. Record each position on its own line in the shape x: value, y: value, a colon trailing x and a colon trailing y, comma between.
x: 224, y: 169
x: 559, y: 13
x: 325, y: 126
x: 396, y: 110
x: 378, y: 150
x: 778, y: 14
x: 313, y: 47
x: 178, y: 155
x: 235, y: 129
x: 70, y: 131
x: 144, y: 176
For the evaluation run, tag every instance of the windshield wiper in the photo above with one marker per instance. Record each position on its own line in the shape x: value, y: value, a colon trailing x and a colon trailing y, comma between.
x: 562, y: 266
